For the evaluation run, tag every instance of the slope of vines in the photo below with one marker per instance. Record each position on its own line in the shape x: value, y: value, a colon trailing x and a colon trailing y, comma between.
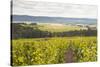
x: 53, y: 50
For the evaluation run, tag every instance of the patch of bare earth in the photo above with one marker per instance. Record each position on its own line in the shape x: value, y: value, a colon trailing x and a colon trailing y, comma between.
x: 69, y: 56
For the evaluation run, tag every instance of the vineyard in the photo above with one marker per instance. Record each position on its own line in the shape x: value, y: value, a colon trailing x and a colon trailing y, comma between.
x: 53, y: 50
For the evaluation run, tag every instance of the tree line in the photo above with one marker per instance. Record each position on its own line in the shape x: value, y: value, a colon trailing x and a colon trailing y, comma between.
x: 19, y: 31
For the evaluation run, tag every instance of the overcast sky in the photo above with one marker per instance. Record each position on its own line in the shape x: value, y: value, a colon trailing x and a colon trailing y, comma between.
x: 36, y: 8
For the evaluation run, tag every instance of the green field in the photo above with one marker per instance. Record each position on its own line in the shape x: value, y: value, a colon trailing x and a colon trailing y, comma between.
x: 51, y: 27
x: 53, y: 50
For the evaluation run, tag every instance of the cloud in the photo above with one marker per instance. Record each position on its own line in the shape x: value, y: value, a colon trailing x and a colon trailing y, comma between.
x: 36, y: 8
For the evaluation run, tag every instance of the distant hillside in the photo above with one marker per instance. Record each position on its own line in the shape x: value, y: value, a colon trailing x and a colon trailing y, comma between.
x: 45, y: 19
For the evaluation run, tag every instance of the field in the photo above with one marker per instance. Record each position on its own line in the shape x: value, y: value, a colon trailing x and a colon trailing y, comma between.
x: 55, y: 27
x: 33, y: 51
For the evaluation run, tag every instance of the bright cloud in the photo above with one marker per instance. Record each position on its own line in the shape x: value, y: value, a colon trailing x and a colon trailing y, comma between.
x: 36, y: 8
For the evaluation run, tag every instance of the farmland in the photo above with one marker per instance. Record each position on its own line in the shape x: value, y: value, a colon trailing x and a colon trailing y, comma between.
x: 54, y: 27
x: 34, y: 44
x: 23, y: 30
x: 53, y: 50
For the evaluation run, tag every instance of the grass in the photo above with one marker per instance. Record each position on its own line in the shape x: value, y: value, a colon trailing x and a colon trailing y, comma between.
x: 55, y: 27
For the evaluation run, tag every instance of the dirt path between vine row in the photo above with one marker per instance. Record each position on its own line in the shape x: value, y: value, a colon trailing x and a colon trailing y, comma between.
x: 69, y: 56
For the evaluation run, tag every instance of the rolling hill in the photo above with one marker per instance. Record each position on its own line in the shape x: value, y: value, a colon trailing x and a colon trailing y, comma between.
x: 45, y: 19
